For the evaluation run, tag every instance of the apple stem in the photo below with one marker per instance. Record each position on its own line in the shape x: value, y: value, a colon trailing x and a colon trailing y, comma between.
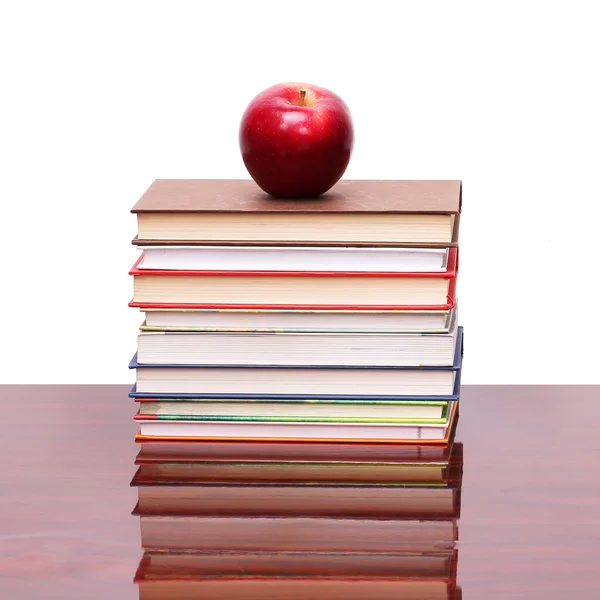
x: 302, y: 97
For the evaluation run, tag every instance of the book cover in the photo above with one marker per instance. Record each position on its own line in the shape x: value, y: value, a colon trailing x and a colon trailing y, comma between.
x: 390, y: 196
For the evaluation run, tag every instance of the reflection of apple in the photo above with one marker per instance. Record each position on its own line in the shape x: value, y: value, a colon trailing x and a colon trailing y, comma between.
x: 296, y: 139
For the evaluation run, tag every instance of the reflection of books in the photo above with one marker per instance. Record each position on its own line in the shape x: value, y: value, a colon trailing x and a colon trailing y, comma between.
x: 301, y: 472
x: 297, y: 575
x: 301, y: 488
x: 319, y: 465
x: 295, y: 533
x: 310, y: 499
x: 153, y: 451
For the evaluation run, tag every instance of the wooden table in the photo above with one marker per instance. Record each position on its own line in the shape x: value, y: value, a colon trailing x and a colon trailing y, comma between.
x: 529, y: 527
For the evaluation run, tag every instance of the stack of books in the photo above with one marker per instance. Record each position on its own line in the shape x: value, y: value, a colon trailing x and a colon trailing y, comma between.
x: 327, y: 319
x: 297, y: 367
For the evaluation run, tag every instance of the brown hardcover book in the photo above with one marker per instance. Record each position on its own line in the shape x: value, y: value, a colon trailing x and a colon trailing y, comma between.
x: 295, y: 533
x: 353, y: 212
x: 265, y: 575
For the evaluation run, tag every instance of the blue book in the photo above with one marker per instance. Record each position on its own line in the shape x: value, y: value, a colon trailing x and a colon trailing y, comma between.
x: 303, y: 382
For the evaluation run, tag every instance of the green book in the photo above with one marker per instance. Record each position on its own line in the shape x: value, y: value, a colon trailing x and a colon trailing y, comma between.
x: 430, y: 412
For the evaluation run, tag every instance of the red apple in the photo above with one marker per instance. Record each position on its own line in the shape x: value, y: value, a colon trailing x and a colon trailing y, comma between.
x: 296, y: 139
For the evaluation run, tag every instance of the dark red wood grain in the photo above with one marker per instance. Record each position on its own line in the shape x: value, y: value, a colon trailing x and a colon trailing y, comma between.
x: 65, y: 522
x: 529, y: 527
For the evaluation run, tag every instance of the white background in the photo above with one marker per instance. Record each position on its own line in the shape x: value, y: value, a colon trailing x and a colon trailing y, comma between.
x: 100, y: 98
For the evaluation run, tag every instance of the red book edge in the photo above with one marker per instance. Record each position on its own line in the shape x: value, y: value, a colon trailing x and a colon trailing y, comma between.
x: 140, y: 417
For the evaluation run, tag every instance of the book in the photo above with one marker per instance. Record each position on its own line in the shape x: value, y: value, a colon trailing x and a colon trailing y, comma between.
x: 312, y: 321
x: 391, y: 212
x: 303, y: 382
x: 144, y: 436
x: 280, y: 383
x: 297, y: 575
x: 288, y: 431
x: 285, y: 348
x: 277, y: 419
x: 278, y: 430
x: 272, y: 413
x: 293, y: 258
x: 314, y: 409
x: 152, y: 450
x: 295, y: 533
x: 295, y: 289
x: 291, y: 384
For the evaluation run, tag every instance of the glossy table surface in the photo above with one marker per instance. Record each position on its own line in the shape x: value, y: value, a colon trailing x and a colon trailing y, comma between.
x: 529, y: 526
